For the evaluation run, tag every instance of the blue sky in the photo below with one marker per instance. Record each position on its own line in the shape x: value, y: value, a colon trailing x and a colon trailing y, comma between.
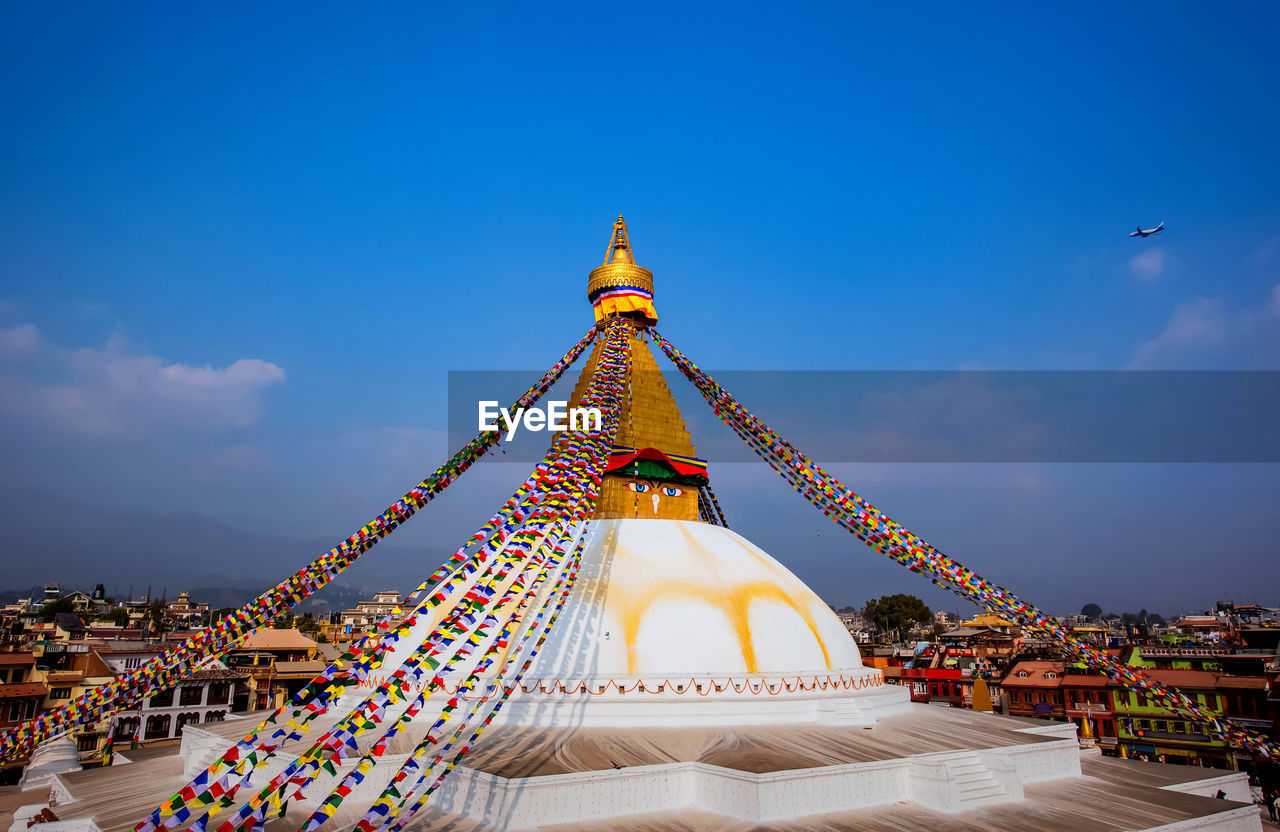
x: 240, y: 248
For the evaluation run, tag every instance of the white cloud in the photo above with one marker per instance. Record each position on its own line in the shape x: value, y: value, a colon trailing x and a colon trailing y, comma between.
x: 1196, y: 327
x: 1148, y: 266
x: 18, y: 340
x: 111, y: 392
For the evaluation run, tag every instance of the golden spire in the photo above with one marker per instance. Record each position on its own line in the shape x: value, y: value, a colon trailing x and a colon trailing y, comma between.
x: 618, y: 286
x: 619, y: 250
x: 1086, y: 729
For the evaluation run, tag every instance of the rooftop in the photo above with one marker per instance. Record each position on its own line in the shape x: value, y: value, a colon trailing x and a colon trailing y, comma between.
x: 313, y: 667
x: 1037, y: 674
x: 216, y: 674
x: 987, y: 619
x: 269, y: 639
x: 1184, y: 678
x: 1243, y: 682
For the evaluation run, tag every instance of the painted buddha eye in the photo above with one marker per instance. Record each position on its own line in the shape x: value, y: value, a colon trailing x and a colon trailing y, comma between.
x: 672, y: 491
x: 639, y: 487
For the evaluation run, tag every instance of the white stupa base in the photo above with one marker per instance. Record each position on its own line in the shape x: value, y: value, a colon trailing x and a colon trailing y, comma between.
x: 57, y: 756
x: 925, y: 768
x: 951, y: 781
x: 1001, y: 776
x: 854, y: 697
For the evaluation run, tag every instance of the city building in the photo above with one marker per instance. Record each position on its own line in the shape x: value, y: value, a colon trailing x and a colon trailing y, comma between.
x: 1034, y: 689
x: 1086, y: 697
x: 367, y: 613
x: 1200, y: 627
x: 185, y: 612
x: 202, y: 697
x: 276, y: 664
x: 1149, y: 730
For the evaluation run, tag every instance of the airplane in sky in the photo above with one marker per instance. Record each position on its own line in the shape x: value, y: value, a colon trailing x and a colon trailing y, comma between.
x: 1141, y: 232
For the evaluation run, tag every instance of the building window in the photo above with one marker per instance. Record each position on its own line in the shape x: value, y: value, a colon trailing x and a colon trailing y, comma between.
x: 87, y: 742
x: 59, y: 693
x: 219, y: 693
x: 162, y: 700
x: 130, y: 664
x: 157, y: 727
x: 187, y: 719
x: 215, y: 716
x: 126, y: 729
x: 191, y: 694
x: 1041, y: 697
x: 1161, y: 726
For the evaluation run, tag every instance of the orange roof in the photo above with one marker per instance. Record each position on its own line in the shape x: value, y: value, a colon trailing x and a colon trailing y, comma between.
x: 268, y: 639
x: 987, y: 619
x: 1184, y: 678
x: 91, y: 664
x: 1036, y: 674
x: 1080, y: 680
x: 1243, y: 682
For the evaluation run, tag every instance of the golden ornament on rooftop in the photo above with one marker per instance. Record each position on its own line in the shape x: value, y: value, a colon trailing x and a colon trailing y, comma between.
x: 619, y: 286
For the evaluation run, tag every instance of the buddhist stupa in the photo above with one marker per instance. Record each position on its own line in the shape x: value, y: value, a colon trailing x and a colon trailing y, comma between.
x: 687, y: 617
x: 675, y: 619
x: 692, y: 682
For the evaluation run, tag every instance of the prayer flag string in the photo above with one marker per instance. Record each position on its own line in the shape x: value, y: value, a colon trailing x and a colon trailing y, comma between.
x: 166, y: 669
x: 881, y: 533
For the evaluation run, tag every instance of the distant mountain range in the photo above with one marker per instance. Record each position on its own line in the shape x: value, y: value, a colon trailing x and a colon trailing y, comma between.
x: 54, y: 539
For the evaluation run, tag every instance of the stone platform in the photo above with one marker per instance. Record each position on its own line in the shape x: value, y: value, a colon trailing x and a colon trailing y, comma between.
x: 923, y: 768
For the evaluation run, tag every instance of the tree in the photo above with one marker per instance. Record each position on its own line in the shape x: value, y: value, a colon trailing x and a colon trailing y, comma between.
x: 307, y: 623
x: 55, y: 607
x: 894, y: 614
x: 1091, y: 611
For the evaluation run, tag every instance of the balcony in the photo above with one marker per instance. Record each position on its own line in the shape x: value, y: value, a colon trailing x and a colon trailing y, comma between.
x: 1170, y: 736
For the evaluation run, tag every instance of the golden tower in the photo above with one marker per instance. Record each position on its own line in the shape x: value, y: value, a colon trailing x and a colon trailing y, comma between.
x: 654, y: 471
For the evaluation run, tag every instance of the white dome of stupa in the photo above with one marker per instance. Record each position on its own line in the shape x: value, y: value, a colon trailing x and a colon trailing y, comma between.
x: 674, y: 621
x: 658, y: 599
